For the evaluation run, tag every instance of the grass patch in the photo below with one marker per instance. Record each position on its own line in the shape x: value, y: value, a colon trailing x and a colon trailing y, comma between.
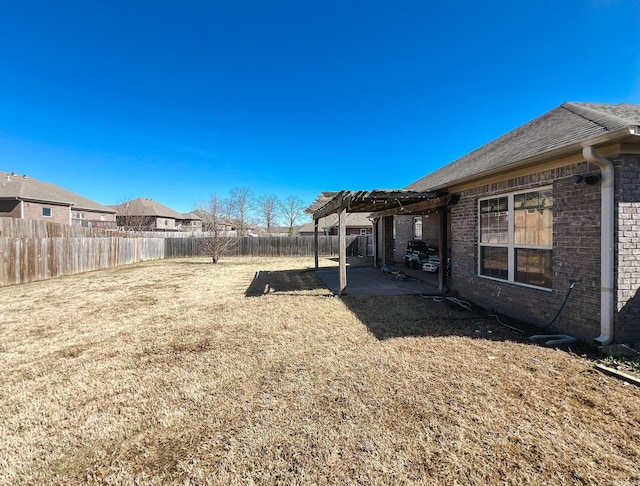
x: 179, y: 371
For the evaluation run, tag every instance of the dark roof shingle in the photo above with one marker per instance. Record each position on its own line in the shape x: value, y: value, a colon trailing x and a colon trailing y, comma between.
x: 15, y: 186
x: 568, y: 124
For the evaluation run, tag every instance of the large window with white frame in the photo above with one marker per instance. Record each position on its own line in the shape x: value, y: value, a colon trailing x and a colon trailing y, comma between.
x: 516, y: 237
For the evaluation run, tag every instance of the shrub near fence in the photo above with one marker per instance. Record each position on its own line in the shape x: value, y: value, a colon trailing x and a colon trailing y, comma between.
x: 266, y: 246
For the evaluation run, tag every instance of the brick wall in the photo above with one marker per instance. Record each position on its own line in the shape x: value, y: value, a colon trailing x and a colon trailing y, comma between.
x: 165, y: 223
x: 59, y: 214
x: 576, y: 254
x: 431, y: 229
x: 627, y: 322
x: 403, y: 233
x: 95, y: 217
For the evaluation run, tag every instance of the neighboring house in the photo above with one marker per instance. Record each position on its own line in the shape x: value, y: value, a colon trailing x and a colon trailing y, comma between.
x: 356, y: 224
x: 23, y: 197
x: 552, y: 205
x: 190, y: 222
x: 225, y: 226
x: 145, y: 214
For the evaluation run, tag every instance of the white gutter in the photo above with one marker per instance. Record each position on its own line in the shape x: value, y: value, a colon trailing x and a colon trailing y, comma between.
x: 607, y: 228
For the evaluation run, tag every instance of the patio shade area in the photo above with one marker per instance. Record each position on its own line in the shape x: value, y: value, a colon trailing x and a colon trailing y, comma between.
x: 372, y: 281
x: 382, y: 206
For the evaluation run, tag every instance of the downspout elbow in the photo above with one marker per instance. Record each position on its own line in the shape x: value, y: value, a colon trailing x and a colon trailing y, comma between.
x: 607, y: 243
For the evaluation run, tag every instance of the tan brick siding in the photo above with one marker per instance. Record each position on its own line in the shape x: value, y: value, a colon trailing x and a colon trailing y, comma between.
x: 59, y: 214
x: 576, y: 254
x: 627, y: 253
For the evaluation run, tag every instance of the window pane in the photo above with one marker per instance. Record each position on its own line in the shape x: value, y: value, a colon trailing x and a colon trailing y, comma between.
x: 533, y: 218
x: 494, y: 262
x: 533, y: 267
x: 494, y: 220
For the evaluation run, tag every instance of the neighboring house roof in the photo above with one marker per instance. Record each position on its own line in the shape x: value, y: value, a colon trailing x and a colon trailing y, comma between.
x: 352, y: 220
x: 144, y: 206
x: 25, y: 188
x: 206, y: 216
x: 564, y: 127
x: 192, y: 216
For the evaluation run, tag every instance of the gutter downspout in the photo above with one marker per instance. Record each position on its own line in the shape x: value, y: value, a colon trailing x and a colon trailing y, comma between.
x: 607, y: 229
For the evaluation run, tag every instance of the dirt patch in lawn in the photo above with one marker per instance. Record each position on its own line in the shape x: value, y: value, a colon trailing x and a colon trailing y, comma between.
x: 250, y: 371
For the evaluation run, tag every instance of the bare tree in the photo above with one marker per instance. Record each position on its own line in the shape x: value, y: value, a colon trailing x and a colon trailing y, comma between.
x: 241, y: 199
x: 292, y: 210
x: 218, y: 240
x: 130, y: 216
x: 267, y: 207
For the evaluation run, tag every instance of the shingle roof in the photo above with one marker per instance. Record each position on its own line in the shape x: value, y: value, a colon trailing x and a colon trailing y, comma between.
x: 566, y: 125
x: 23, y: 187
x: 144, y: 206
x: 191, y: 216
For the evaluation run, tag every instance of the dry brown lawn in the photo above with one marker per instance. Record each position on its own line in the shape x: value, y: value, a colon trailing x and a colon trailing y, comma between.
x: 249, y: 372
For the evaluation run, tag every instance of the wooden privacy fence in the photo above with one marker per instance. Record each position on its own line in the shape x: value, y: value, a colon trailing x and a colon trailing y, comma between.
x: 33, y: 250
x: 25, y: 260
x: 33, y: 228
x: 265, y: 246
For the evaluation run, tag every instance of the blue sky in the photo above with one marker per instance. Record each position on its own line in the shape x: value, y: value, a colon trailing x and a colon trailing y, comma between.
x: 179, y: 100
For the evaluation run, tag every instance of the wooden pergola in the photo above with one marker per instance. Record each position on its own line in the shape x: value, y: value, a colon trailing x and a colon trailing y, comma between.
x: 382, y: 205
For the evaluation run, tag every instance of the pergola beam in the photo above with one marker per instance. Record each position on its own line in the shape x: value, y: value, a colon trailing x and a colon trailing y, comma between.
x: 339, y: 201
x: 418, y: 207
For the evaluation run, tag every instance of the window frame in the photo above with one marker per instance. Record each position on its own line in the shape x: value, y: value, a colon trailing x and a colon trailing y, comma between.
x: 47, y: 208
x: 510, y: 245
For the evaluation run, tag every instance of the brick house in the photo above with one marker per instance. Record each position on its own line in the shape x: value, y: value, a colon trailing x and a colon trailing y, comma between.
x: 553, y: 202
x: 542, y: 219
x: 24, y: 197
x: 145, y: 214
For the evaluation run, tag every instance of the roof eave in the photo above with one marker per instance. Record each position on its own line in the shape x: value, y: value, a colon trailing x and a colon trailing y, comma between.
x: 39, y: 200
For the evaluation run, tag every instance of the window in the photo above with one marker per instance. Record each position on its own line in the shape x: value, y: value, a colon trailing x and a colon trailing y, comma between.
x: 46, y: 212
x: 417, y: 228
x: 516, y: 237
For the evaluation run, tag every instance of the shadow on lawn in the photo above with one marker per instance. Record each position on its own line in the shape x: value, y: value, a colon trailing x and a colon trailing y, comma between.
x: 388, y: 317
x: 284, y: 282
x: 398, y: 316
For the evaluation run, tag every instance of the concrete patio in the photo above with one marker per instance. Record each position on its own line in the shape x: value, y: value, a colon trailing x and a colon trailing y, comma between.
x: 365, y: 281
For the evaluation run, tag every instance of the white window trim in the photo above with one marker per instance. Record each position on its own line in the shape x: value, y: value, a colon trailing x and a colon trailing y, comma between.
x: 510, y: 245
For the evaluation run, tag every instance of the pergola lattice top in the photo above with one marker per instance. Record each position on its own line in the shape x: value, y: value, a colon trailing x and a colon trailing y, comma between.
x: 378, y: 202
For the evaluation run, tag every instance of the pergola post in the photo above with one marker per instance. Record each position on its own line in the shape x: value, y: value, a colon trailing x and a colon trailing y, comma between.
x: 342, y: 240
x: 315, y: 241
x: 443, y: 253
x: 376, y: 252
x: 387, y: 240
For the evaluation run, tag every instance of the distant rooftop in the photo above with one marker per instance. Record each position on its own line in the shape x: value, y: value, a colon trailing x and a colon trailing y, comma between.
x: 25, y: 188
x: 563, y: 127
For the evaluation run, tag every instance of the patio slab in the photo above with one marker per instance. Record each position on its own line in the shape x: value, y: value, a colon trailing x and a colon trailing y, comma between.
x: 372, y: 281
